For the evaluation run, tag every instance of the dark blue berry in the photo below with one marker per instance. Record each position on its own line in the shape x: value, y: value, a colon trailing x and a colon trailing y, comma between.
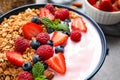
x: 50, y: 30
x: 45, y: 65
x: 35, y: 44
x: 35, y: 19
x: 59, y: 49
x: 67, y: 21
x: 27, y: 66
x: 36, y: 58
x: 65, y: 32
x: 50, y: 42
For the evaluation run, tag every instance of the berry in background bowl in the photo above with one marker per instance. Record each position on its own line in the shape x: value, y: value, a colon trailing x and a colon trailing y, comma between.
x: 104, y: 12
x: 42, y: 44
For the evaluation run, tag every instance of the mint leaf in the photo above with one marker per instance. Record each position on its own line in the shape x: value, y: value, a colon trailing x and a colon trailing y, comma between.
x: 37, y: 70
x: 42, y: 77
x: 56, y: 25
x: 63, y: 27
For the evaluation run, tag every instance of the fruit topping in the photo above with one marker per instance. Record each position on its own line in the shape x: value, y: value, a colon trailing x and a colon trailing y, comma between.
x: 78, y: 24
x: 45, y: 65
x: 35, y: 44
x: 36, y: 58
x: 57, y: 63
x: 105, y: 5
x: 75, y: 36
x: 15, y: 58
x: 45, y: 52
x: 31, y: 30
x: 27, y: 66
x: 92, y: 2
x: 43, y: 38
x: 59, y: 38
x: 50, y: 30
x: 38, y: 70
x: 50, y: 7
x: 50, y: 42
x: 25, y: 76
x: 55, y: 25
x: 59, y: 49
x: 62, y: 14
x: 44, y: 12
x: 21, y: 44
x: 35, y: 19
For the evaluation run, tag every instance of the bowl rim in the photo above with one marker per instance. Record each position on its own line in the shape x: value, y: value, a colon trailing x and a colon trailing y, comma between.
x: 96, y: 26
x: 104, y: 12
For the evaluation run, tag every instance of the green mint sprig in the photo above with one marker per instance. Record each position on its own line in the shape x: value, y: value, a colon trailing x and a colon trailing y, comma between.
x: 55, y: 25
x: 38, y: 70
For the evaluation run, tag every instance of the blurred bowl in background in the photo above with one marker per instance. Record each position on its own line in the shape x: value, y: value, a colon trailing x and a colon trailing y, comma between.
x: 101, y: 17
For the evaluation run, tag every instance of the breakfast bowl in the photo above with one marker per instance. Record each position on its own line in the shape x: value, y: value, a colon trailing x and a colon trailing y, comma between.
x: 100, y: 16
x: 76, y: 60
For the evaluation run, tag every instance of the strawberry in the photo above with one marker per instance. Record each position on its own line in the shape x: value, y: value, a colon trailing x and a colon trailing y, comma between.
x: 15, y: 58
x: 62, y: 14
x: 115, y: 7
x: 118, y: 3
x: 31, y: 30
x: 113, y: 1
x: 59, y: 38
x: 105, y: 5
x: 78, y: 24
x: 57, y: 63
x: 96, y: 6
x: 92, y: 2
x: 44, y: 12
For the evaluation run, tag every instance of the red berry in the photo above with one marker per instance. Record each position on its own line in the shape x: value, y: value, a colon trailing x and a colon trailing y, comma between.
x: 21, y: 44
x: 43, y: 38
x: 25, y: 76
x: 15, y: 58
x: 45, y: 52
x: 50, y: 7
x: 62, y: 14
x: 75, y: 35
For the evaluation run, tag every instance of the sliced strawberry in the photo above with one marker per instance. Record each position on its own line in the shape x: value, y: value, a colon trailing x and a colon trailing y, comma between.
x: 106, y: 5
x: 92, y: 2
x: 59, y: 38
x: 96, y: 6
x: 31, y: 29
x: 57, y: 63
x: 15, y: 58
x: 44, y: 12
x: 78, y: 24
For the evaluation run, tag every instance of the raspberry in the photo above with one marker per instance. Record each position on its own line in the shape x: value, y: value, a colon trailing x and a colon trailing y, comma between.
x: 21, y: 44
x: 50, y: 7
x: 43, y: 38
x: 62, y: 14
x: 25, y: 76
x: 75, y: 36
x: 45, y: 52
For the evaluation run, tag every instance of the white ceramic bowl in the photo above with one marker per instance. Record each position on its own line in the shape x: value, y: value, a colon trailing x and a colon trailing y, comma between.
x: 102, y: 17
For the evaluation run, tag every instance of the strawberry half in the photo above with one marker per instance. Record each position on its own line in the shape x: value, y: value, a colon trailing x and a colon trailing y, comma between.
x: 15, y: 58
x: 78, y: 24
x: 44, y: 12
x: 59, y: 38
x: 106, y: 5
x: 92, y: 2
x: 57, y: 63
x: 31, y: 30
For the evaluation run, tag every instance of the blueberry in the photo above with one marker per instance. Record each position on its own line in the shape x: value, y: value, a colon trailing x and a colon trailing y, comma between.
x: 50, y: 30
x: 67, y: 21
x: 50, y: 42
x: 36, y: 58
x: 66, y: 32
x: 59, y: 49
x: 35, y: 44
x: 27, y: 66
x: 45, y: 65
x: 35, y: 19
